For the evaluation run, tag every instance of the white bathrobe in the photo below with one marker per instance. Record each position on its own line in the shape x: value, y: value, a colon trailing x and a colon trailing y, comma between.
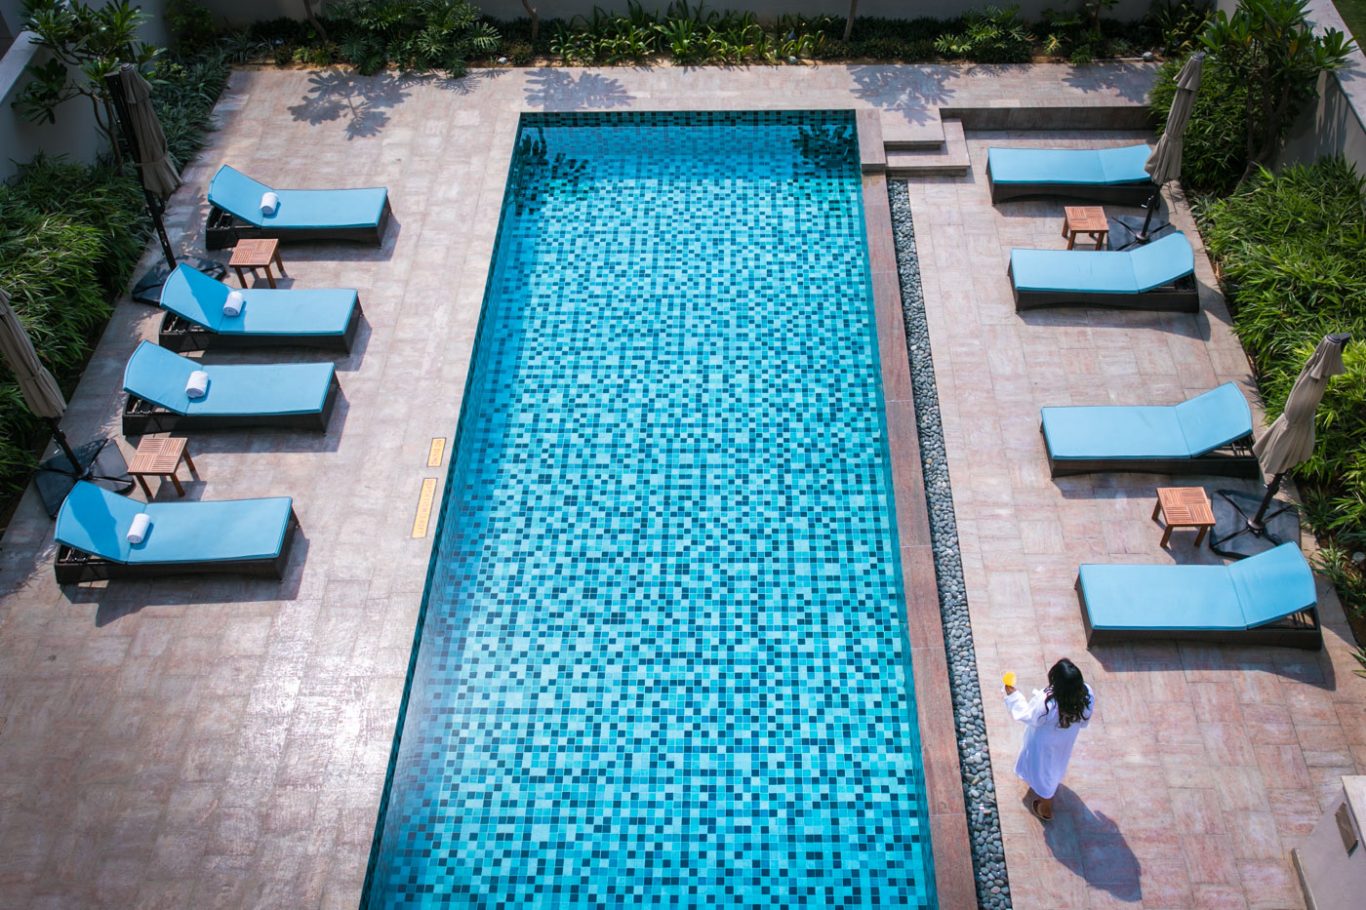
x: 1047, y: 746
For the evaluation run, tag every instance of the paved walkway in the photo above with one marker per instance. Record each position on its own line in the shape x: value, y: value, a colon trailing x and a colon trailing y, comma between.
x: 223, y: 743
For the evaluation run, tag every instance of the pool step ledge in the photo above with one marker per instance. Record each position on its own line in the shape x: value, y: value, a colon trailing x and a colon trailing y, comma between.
x: 948, y: 158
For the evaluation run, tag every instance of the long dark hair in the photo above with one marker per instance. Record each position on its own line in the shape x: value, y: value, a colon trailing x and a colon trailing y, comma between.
x: 1067, y: 690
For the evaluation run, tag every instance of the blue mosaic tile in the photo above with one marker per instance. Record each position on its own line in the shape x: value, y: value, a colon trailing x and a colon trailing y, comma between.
x: 662, y: 659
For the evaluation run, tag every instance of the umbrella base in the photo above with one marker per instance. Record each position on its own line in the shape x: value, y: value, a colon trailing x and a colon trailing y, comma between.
x: 1234, y: 537
x: 148, y: 287
x: 1125, y: 229
x: 100, y: 463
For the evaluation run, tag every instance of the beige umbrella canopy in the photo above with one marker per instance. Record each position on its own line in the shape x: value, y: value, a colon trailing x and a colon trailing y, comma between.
x: 1290, y: 440
x: 41, y: 392
x: 1164, y: 165
x: 160, y: 174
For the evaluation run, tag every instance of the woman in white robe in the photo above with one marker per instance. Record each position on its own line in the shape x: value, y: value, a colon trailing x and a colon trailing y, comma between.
x: 1052, y: 720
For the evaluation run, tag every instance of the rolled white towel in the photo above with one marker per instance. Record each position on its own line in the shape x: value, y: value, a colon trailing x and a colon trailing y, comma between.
x: 233, y: 305
x: 197, y: 385
x: 137, y: 531
x: 270, y: 201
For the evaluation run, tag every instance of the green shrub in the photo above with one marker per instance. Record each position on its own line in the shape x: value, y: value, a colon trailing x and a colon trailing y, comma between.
x: 1292, y: 249
x: 412, y: 34
x: 995, y: 35
x: 184, y: 91
x: 1215, y: 153
x: 191, y: 25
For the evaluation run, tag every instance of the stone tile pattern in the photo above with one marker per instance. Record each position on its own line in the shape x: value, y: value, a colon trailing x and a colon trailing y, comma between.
x: 663, y: 658
x: 1207, y: 765
x: 223, y: 743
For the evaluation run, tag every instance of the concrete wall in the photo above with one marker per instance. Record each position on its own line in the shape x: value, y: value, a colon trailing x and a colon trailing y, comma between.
x: 74, y: 135
x: 1334, y: 124
x: 239, y: 11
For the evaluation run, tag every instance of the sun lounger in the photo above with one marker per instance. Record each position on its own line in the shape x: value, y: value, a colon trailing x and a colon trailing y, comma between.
x: 1156, y: 276
x: 295, y: 395
x: 1113, y: 175
x: 1267, y: 599
x: 343, y: 214
x: 238, y: 536
x: 194, y: 320
x: 1209, y: 434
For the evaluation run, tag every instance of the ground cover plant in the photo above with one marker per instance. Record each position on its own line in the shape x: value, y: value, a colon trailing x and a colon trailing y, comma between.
x: 70, y: 235
x: 1292, y: 252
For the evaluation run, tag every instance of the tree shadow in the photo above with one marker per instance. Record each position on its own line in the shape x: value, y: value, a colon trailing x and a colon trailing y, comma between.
x: 360, y: 102
x: 912, y: 92
x: 1091, y: 845
x: 559, y: 90
x: 1130, y: 81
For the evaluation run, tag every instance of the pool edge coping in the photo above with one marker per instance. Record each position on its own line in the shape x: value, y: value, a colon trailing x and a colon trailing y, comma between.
x: 955, y: 880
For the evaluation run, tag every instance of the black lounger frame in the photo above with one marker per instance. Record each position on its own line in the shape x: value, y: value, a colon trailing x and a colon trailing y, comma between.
x: 1236, y: 459
x: 222, y: 229
x: 1298, y: 630
x: 141, y: 417
x: 183, y: 336
x: 74, y: 566
x: 1182, y: 296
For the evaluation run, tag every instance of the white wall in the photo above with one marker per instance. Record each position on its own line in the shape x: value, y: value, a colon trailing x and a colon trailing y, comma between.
x: 1334, y: 124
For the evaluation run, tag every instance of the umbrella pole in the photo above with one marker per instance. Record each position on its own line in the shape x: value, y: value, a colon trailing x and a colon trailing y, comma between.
x: 1150, y: 205
x: 114, y: 85
x: 77, y: 469
x: 1257, y: 523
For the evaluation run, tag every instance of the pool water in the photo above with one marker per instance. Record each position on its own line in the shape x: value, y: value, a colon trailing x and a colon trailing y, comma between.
x: 662, y: 659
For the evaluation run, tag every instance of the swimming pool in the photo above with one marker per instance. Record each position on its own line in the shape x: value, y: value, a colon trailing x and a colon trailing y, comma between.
x: 662, y: 657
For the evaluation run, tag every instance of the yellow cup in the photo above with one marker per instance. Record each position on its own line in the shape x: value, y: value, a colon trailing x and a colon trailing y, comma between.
x: 1009, y: 679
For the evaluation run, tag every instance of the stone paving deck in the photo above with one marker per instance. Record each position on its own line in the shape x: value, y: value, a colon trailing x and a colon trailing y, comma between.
x: 223, y: 743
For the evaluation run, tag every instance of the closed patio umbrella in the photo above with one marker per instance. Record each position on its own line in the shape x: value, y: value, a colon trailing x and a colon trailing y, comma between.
x: 1164, y: 164
x: 157, y: 170
x: 1289, y: 442
x: 43, y: 398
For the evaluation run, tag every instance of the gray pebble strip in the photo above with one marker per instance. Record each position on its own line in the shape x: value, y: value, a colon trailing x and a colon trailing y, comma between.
x: 984, y: 824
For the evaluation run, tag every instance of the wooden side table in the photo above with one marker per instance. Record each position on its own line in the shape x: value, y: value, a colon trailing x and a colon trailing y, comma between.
x: 1184, y: 507
x: 1085, y: 219
x: 160, y: 456
x: 256, y: 254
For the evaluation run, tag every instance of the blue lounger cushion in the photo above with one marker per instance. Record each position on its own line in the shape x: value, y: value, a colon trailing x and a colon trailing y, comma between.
x: 1145, y: 268
x: 94, y: 520
x: 1247, y: 594
x: 236, y: 193
x: 197, y: 298
x: 1099, y: 167
x: 159, y: 376
x: 1187, y: 430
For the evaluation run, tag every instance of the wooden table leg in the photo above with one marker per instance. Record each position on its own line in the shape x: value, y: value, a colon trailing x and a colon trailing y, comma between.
x: 1166, y: 536
x: 175, y: 481
x: 1201, y: 536
x: 241, y: 279
x: 189, y: 462
x: 142, y: 481
x: 1071, y: 239
x: 1157, y: 507
x: 280, y: 262
x: 270, y: 275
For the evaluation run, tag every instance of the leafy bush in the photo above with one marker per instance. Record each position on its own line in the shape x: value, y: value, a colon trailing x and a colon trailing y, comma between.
x: 1215, y: 155
x: 1178, y: 25
x: 996, y: 35
x: 191, y: 25
x: 412, y: 34
x: 184, y: 91
x: 1292, y: 249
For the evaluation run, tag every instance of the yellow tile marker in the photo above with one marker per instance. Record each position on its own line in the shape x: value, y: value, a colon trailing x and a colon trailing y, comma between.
x: 424, y: 507
x: 435, y: 453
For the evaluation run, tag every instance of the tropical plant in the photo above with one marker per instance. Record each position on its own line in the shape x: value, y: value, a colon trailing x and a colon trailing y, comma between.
x: 1179, y: 24
x: 1270, y: 47
x: 412, y: 34
x: 1214, y: 156
x: 85, y: 44
x: 996, y: 35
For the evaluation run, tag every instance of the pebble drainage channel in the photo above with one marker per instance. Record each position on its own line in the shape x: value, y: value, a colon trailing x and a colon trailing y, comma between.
x: 984, y: 824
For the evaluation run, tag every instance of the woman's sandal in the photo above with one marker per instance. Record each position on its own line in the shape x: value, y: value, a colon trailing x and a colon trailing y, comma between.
x: 1034, y: 809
